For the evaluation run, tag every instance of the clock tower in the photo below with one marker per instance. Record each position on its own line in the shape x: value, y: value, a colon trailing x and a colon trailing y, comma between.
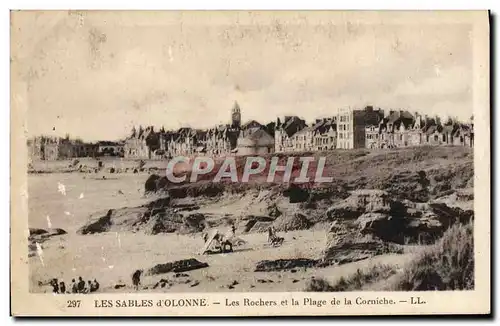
x: 236, y: 116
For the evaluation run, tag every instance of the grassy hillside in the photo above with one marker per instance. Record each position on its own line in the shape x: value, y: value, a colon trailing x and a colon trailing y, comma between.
x: 418, y: 174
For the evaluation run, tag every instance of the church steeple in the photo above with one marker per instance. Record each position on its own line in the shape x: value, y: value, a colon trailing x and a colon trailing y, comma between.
x: 236, y: 115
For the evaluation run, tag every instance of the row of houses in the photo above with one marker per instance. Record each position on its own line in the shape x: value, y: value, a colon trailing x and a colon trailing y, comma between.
x: 403, y: 129
x: 348, y: 129
x: 370, y: 128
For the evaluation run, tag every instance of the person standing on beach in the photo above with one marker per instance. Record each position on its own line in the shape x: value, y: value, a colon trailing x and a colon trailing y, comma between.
x: 136, y: 279
x: 62, y: 287
x: 74, y: 287
x: 55, y: 285
x: 96, y: 285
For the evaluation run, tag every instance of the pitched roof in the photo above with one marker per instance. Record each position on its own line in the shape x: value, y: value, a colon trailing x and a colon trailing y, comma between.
x: 251, y: 122
x: 258, y: 134
x: 293, y: 125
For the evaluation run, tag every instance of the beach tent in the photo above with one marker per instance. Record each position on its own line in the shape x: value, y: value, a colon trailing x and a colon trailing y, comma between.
x: 210, y: 239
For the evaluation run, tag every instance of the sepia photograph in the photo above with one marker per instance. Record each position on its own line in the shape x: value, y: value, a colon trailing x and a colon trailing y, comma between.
x: 171, y: 152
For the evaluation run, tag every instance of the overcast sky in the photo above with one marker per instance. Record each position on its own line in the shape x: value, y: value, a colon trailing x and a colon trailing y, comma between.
x: 95, y: 75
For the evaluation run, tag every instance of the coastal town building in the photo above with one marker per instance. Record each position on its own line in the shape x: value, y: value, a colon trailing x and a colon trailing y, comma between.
x: 351, y: 126
x: 142, y: 144
x: 58, y: 148
x: 283, y: 135
x: 325, y: 134
x: 256, y: 142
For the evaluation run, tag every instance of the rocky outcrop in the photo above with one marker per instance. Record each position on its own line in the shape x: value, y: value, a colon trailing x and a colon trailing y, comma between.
x: 44, y: 233
x: 193, y: 223
x: 158, y: 216
x: 292, y: 222
x: 360, y: 201
x: 178, y: 266
x: 342, y: 252
x: 155, y: 183
x: 260, y: 227
x: 247, y: 223
x: 273, y: 210
x: 371, y: 213
x: 284, y: 264
x: 350, y: 242
x: 450, y: 215
x: 150, y: 184
x: 101, y: 224
x: 296, y: 194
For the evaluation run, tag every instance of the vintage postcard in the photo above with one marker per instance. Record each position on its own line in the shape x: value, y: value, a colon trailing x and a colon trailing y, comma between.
x: 250, y: 163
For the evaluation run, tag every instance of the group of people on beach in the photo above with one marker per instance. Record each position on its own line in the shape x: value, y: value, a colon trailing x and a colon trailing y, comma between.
x: 75, y: 287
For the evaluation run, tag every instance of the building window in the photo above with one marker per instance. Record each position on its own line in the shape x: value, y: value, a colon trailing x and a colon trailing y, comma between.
x: 436, y: 138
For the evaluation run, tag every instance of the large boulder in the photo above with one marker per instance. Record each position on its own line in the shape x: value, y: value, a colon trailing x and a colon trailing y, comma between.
x: 296, y: 194
x: 373, y: 221
x: 151, y: 183
x: 357, y: 240
x: 114, y: 220
x: 39, y: 234
x: 161, y: 183
x: 408, y: 185
x: 382, y: 226
x: 193, y: 223
x: 157, y: 225
x: 376, y: 201
x: 451, y: 215
x: 366, y: 201
x: 101, y: 224
x: 163, y: 222
x: 425, y: 229
x: 292, y: 222
x: 273, y: 210
x: 344, y: 210
x: 351, y: 251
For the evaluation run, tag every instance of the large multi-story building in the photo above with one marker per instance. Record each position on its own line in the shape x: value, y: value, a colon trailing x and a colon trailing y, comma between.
x: 325, y: 134
x: 142, y: 144
x: 351, y: 126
